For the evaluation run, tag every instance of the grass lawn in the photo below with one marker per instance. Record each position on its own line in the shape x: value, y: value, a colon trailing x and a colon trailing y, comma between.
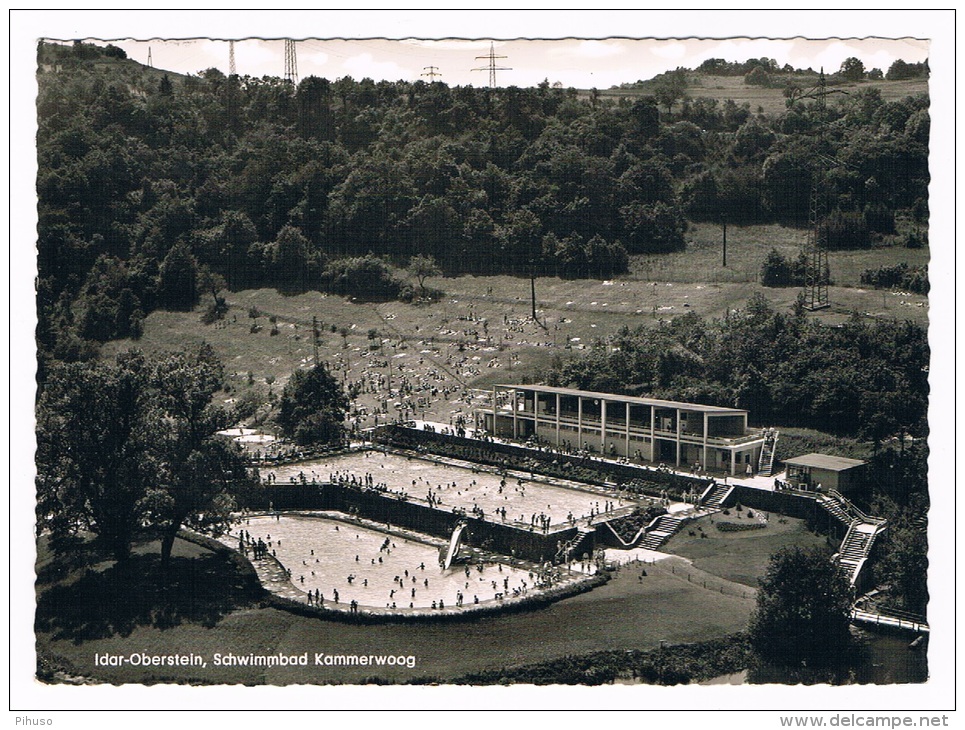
x: 481, y: 332
x: 83, y: 615
x: 741, y: 557
x: 447, y: 343
x: 772, y: 100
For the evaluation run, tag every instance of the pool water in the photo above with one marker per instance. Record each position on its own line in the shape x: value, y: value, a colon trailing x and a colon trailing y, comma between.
x: 525, y: 501
x: 331, y: 555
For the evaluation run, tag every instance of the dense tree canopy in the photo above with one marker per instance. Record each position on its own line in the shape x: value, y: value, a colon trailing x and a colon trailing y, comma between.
x: 131, y: 445
x: 146, y: 177
x: 312, y: 408
x: 803, y: 609
x: 867, y: 379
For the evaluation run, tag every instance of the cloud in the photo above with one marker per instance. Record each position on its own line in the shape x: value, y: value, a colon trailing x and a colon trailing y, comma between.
x: 256, y: 54
x: 364, y: 65
x: 672, y: 50
x: 599, y: 49
x: 451, y: 44
x: 319, y: 58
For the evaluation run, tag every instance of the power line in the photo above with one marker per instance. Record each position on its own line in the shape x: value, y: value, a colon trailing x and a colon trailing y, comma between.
x: 492, y: 67
x: 291, y: 63
x: 432, y: 72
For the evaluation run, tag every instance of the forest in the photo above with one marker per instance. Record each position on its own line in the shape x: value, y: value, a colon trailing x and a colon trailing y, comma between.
x: 157, y: 190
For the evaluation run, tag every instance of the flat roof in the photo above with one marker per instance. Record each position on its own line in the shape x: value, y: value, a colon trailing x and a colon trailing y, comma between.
x: 629, y: 399
x: 825, y: 461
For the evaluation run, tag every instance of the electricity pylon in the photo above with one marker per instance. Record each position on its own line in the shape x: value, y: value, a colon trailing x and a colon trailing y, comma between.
x: 492, y: 67
x: 291, y: 63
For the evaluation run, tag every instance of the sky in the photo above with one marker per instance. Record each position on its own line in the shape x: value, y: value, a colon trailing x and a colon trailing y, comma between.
x: 580, y: 48
x: 574, y: 62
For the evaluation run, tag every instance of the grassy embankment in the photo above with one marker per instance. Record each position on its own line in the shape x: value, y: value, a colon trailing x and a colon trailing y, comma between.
x: 771, y: 100
x: 206, y: 610
x: 428, y: 338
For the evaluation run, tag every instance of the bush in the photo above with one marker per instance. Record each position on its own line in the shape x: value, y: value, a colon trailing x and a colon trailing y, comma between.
x: 915, y: 240
x: 744, y: 527
x: 777, y: 271
x: 366, y: 277
x: 757, y: 77
x: 901, y: 276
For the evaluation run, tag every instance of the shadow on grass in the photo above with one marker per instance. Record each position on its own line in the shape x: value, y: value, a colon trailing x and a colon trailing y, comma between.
x: 139, y: 593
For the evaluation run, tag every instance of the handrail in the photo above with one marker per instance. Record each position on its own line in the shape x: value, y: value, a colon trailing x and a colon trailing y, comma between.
x: 849, y: 506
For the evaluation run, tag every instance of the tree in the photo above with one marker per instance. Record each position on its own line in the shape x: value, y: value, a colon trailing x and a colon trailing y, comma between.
x: 198, y: 470
x: 422, y: 267
x: 904, y: 566
x: 291, y: 260
x: 312, y: 408
x: 803, y: 609
x: 671, y: 88
x: 95, y: 424
x: 131, y: 446
x: 852, y: 69
x: 778, y: 270
x: 213, y: 283
x: 178, y: 279
x: 757, y: 77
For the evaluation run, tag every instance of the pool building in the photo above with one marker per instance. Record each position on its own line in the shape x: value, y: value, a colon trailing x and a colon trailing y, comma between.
x: 645, y: 430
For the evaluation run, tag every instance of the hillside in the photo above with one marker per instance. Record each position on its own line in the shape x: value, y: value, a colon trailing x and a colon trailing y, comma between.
x: 171, y: 208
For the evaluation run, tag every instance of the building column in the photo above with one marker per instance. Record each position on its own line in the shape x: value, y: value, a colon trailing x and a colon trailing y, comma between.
x: 494, y: 411
x: 626, y: 450
x: 515, y: 417
x: 703, y: 457
x: 733, y: 467
x: 678, y: 438
x: 579, y: 422
x: 653, y: 440
x: 603, y: 451
x: 557, y: 420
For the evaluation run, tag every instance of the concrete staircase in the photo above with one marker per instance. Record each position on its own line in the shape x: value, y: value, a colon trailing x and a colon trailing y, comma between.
x: 573, y: 545
x: 859, y: 539
x: 765, y: 464
x: 855, y: 549
x: 660, y: 531
x: 835, y: 508
x: 715, y: 497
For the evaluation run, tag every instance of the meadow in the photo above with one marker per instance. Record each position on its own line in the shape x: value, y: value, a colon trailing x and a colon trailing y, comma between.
x: 481, y: 332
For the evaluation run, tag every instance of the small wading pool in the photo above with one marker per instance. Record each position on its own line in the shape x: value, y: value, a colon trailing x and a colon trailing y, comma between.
x: 454, y: 486
x: 323, y: 553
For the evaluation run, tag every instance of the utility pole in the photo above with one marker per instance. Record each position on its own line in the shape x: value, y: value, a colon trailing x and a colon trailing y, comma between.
x: 315, y: 337
x: 150, y: 63
x: 492, y: 67
x: 232, y: 71
x: 431, y: 72
x: 723, y: 218
x: 291, y: 63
